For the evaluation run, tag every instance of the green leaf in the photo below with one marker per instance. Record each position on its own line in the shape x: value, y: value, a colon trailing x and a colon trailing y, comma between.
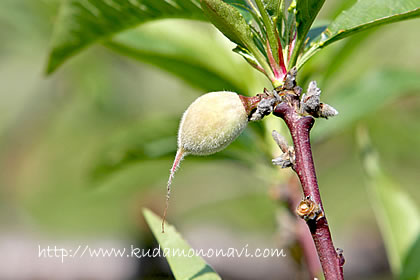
x: 411, y: 269
x: 269, y: 29
x: 364, y: 14
x: 229, y: 21
x: 243, y: 7
x: 397, y: 215
x: 306, y: 12
x: 365, y: 96
x: 81, y: 23
x: 183, y: 267
x: 314, y: 32
x: 233, y: 25
x: 273, y: 7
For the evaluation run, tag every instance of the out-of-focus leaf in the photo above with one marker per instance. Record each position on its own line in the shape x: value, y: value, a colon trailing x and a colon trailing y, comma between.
x: 188, y: 53
x: 365, y: 96
x: 397, y: 215
x: 183, y: 266
x: 81, y: 23
x: 411, y: 269
x: 235, y: 212
x: 364, y: 14
x: 344, y: 53
x: 154, y: 139
x: 29, y: 19
x: 150, y: 139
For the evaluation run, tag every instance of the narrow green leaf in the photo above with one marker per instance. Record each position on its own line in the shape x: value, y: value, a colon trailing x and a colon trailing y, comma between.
x: 411, y: 268
x: 364, y: 14
x: 81, y: 23
x: 365, y: 96
x: 232, y: 24
x: 269, y: 28
x: 183, y: 267
x: 229, y: 21
x: 306, y: 12
x: 397, y: 215
x: 340, y: 6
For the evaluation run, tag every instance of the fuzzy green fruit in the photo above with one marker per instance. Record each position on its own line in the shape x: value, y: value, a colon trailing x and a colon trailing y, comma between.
x: 210, y: 124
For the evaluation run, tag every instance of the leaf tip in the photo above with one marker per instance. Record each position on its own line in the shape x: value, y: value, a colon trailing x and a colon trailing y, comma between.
x: 147, y: 213
x: 51, y: 65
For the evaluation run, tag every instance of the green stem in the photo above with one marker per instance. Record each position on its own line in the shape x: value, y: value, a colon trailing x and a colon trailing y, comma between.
x: 296, y: 52
x: 262, y: 61
x: 307, y: 55
x: 252, y: 6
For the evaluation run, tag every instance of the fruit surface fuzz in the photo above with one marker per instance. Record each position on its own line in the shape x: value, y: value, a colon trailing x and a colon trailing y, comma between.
x: 211, y: 123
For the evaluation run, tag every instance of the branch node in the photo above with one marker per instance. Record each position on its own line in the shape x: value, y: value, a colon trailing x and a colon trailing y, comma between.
x: 340, y: 255
x: 311, y: 100
x: 265, y: 106
x: 310, y: 104
x: 309, y: 210
x: 287, y: 159
x: 299, y: 112
x: 290, y: 79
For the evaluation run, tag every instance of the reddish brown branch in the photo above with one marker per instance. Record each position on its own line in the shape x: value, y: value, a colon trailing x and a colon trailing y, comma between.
x: 300, y: 126
x: 303, y: 236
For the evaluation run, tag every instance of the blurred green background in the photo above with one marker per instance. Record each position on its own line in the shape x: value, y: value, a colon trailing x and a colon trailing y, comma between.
x: 84, y: 150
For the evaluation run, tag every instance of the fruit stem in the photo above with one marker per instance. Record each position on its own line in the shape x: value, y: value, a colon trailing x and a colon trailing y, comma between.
x: 180, y: 154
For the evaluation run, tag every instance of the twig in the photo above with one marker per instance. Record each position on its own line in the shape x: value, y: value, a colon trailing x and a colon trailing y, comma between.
x: 290, y: 196
x: 300, y: 126
x: 303, y: 236
x: 299, y: 113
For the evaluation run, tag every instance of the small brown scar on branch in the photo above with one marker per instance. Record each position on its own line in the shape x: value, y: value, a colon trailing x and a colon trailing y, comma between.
x: 308, y: 210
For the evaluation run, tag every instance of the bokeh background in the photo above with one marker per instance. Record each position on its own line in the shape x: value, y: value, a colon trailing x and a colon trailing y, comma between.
x: 83, y: 151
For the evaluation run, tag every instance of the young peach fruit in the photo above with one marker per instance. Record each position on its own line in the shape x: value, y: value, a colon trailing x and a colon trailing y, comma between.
x: 209, y: 125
